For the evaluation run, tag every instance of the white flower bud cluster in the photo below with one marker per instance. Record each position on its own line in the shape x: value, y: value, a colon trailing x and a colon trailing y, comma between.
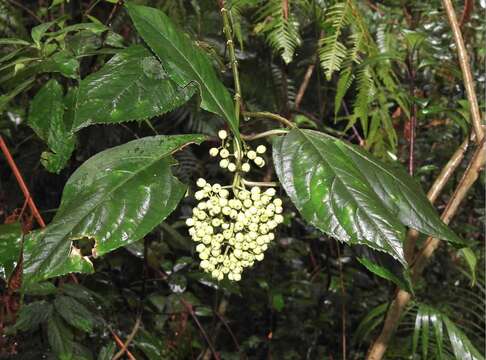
x: 227, y: 162
x: 233, y: 230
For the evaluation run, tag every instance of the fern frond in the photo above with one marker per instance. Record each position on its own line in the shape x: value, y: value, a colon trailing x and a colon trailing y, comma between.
x: 344, y: 83
x: 365, y: 93
x: 281, y: 32
x: 332, y: 51
x: 236, y: 8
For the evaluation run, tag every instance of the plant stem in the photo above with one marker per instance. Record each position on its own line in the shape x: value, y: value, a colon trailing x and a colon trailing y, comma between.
x: 269, y: 115
x: 466, y: 70
x: 124, y: 346
x: 264, y: 134
x: 21, y: 182
x: 237, y: 145
x: 259, y: 183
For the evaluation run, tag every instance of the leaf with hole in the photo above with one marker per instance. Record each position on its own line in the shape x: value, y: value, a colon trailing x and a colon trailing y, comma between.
x: 186, y: 64
x: 115, y: 198
x: 132, y: 85
x: 350, y: 195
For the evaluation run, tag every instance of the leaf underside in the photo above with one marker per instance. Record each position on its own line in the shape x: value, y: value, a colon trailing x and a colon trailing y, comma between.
x: 115, y: 198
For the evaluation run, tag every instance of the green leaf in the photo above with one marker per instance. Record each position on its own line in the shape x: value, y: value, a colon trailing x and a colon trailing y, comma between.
x: 61, y: 62
x: 39, y: 31
x: 370, y: 322
x: 40, y: 289
x: 46, y: 118
x: 10, y: 242
x: 74, y: 313
x: 115, y: 198
x: 352, y: 196
x: 468, y: 255
x: 14, y: 41
x: 384, y: 273
x: 184, y: 61
x: 436, y: 320
x: 60, y: 337
x: 133, y: 85
x: 32, y: 315
x: 462, y: 347
x: 278, y: 302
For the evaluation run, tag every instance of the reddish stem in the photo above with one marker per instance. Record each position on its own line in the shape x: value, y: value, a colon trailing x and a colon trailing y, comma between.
x: 21, y: 182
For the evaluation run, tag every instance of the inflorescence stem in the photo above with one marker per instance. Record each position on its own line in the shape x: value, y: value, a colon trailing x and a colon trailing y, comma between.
x: 238, y: 146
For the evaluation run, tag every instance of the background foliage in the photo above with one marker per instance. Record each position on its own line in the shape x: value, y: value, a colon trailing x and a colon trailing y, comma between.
x: 367, y: 67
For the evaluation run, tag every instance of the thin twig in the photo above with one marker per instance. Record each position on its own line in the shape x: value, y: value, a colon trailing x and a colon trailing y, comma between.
x: 269, y: 115
x: 466, y: 70
x: 124, y: 347
x: 343, y: 302
x: 21, y: 182
x: 121, y: 344
x: 264, y: 134
x: 203, y: 332
x: 304, y: 84
x: 26, y: 9
x: 223, y: 305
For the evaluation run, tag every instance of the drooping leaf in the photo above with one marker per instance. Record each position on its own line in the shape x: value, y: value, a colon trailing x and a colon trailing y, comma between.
x: 32, y: 315
x: 115, y: 198
x: 133, y: 85
x: 385, y: 273
x: 373, y: 319
x: 46, y: 118
x: 74, y: 313
x: 60, y: 337
x: 428, y: 316
x: 352, y: 196
x: 470, y: 258
x: 461, y: 345
x: 10, y: 242
x: 185, y: 63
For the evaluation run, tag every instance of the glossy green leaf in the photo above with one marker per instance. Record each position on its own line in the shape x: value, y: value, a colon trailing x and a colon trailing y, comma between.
x: 350, y: 195
x: 462, y: 347
x: 46, y: 118
x: 185, y: 63
x: 428, y: 317
x: 10, y: 243
x: 436, y: 320
x: 115, y: 198
x: 74, y: 313
x: 133, y: 85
